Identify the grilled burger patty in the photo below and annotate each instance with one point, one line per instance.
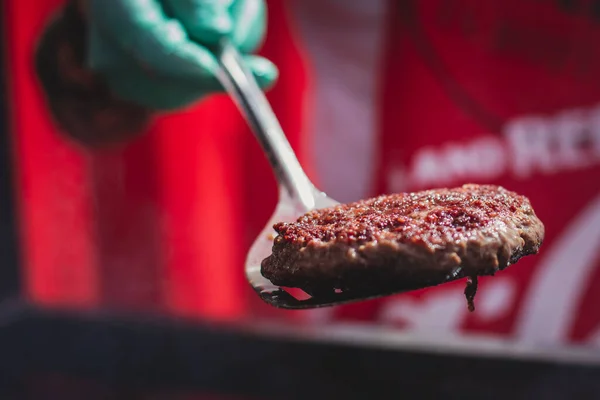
(405, 241)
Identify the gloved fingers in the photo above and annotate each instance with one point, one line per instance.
(249, 24)
(134, 82)
(206, 21)
(130, 81)
(143, 32)
(264, 71)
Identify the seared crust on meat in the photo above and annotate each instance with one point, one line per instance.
(404, 241)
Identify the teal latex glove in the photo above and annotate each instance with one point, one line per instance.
(156, 52)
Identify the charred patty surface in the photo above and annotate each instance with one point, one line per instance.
(405, 241)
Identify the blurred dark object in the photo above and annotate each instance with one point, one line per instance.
(81, 101)
(128, 358)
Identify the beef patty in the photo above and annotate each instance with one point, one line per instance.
(405, 241)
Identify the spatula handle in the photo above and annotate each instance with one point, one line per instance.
(253, 104)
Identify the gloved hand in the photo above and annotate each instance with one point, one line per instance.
(156, 52)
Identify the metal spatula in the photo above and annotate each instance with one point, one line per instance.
(297, 194)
